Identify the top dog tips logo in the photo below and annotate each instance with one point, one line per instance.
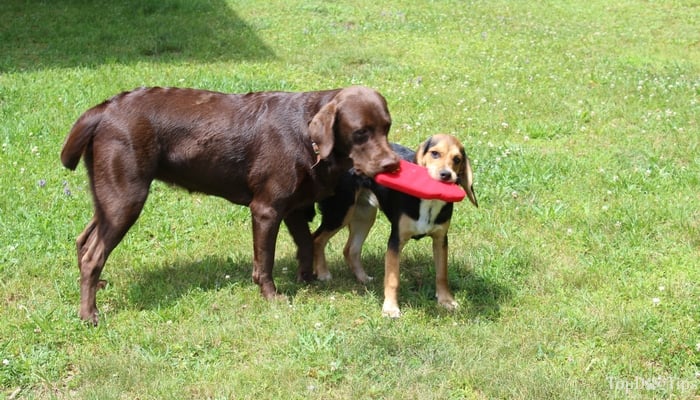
(666, 384)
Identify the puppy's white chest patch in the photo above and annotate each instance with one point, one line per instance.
(429, 210)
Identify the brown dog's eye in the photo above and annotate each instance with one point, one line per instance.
(435, 154)
(360, 136)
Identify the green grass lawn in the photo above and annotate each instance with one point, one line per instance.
(578, 276)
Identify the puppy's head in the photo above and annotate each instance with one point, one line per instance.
(446, 161)
(356, 124)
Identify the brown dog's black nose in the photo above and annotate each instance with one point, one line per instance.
(390, 164)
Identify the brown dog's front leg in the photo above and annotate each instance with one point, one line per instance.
(266, 225)
(298, 225)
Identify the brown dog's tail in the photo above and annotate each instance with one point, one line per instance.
(80, 135)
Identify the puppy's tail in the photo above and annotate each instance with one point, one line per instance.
(80, 135)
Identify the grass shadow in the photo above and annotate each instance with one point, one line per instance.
(68, 33)
(484, 294)
(480, 296)
(480, 293)
(162, 286)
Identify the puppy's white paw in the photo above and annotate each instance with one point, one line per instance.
(449, 304)
(391, 311)
(324, 276)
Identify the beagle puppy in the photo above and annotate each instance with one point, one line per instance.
(355, 203)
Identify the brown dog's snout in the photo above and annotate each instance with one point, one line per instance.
(390, 163)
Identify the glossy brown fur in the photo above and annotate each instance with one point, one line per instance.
(276, 152)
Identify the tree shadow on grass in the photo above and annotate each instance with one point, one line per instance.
(164, 285)
(67, 33)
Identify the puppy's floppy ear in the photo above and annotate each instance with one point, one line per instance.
(466, 179)
(422, 149)
(321, 129)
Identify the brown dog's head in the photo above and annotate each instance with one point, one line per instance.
(446, 160)
(356, 123)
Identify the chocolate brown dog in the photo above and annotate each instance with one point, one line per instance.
(276, 152)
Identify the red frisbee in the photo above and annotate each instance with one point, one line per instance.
(414, 180)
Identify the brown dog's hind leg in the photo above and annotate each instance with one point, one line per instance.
(88, 260)
(118, 197)
(94, 245)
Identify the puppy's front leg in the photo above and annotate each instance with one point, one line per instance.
(391, 278)
(363, 217)
(444, 296)
(298, 225)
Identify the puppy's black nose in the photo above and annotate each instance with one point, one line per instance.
(445, 175)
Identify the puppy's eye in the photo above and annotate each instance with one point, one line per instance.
(435, 154)
(456, 160)
(360, 136)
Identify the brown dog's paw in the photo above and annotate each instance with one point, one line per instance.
(89, 317)
(279, 298)
(268, 291)
(306, 276)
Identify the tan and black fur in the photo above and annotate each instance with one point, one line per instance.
(355, 205)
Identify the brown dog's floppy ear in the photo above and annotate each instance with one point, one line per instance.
(321, 129)
(467, 181)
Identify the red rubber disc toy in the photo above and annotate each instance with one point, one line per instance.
(414, 180)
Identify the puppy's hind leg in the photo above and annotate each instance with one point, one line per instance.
(443, 293)
(336, 211)
(359, 225)
(320, 266)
